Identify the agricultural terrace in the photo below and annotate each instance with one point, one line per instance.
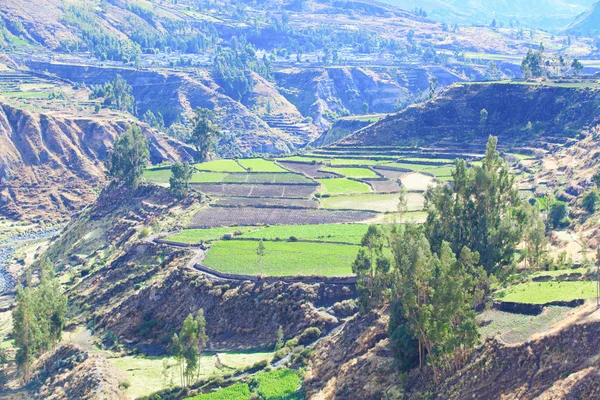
(546, 292)
(311, 211)
(281, 258)
(334, 233)
(271, 385)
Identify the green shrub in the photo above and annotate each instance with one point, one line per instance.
(309, 335)
(590, 201)
(144, 232)
(559, 214)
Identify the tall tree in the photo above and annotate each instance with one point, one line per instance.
(532, 65)
(480, 211)
(433, 304)
(129, 157)
(372, 269)
(188, 345)
(203, 136)
(535, 238)
(38, 319)
(577, 67)
(181, 173)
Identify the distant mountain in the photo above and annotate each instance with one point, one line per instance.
(587, 23)
(547, 14)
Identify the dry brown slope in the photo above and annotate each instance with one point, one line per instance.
(562, 364)
(52, 166)
(71, 373)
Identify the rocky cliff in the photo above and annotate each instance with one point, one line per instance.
(52, 166)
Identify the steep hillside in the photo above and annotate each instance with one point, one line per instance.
(176, 94)
(519, 114)
(588, 23)
(325, 93)
(356, 363)
(344, 127)
(142, 291)
(72, 373)
(545, 14)
(50, 166)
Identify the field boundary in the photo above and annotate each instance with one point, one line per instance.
(532, 309)
(256, 183)
(343, 280)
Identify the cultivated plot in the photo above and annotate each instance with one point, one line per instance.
(282, 258)
(260, 165)
(250, 216)
(342, 186)
(375, 202)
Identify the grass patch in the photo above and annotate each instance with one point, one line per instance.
(220, 166)
(373, 202)
(282, 258)
(349, 172)
(195, 236)
(336, 186)
(278, 384)
(260, 165)
(347, 233)
(546, 292)
(239, 391)
(157, 175)
(147, 374)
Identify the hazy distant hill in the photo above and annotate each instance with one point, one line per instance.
(537, 13)
(588, 22)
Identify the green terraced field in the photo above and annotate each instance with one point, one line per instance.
(334, 161)
(546, 292)
(349, 172)
(208, 177)
(157, 175)
(239, 391)
(278, 384)
(337, 186)
(373, 202)
(282, 258)
(444, 171)
(260, 165)
(220, 166)
(345, 233)
(195, 236)
(162, 175)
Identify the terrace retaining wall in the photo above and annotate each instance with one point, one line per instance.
(345, 281)
(532, 309)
